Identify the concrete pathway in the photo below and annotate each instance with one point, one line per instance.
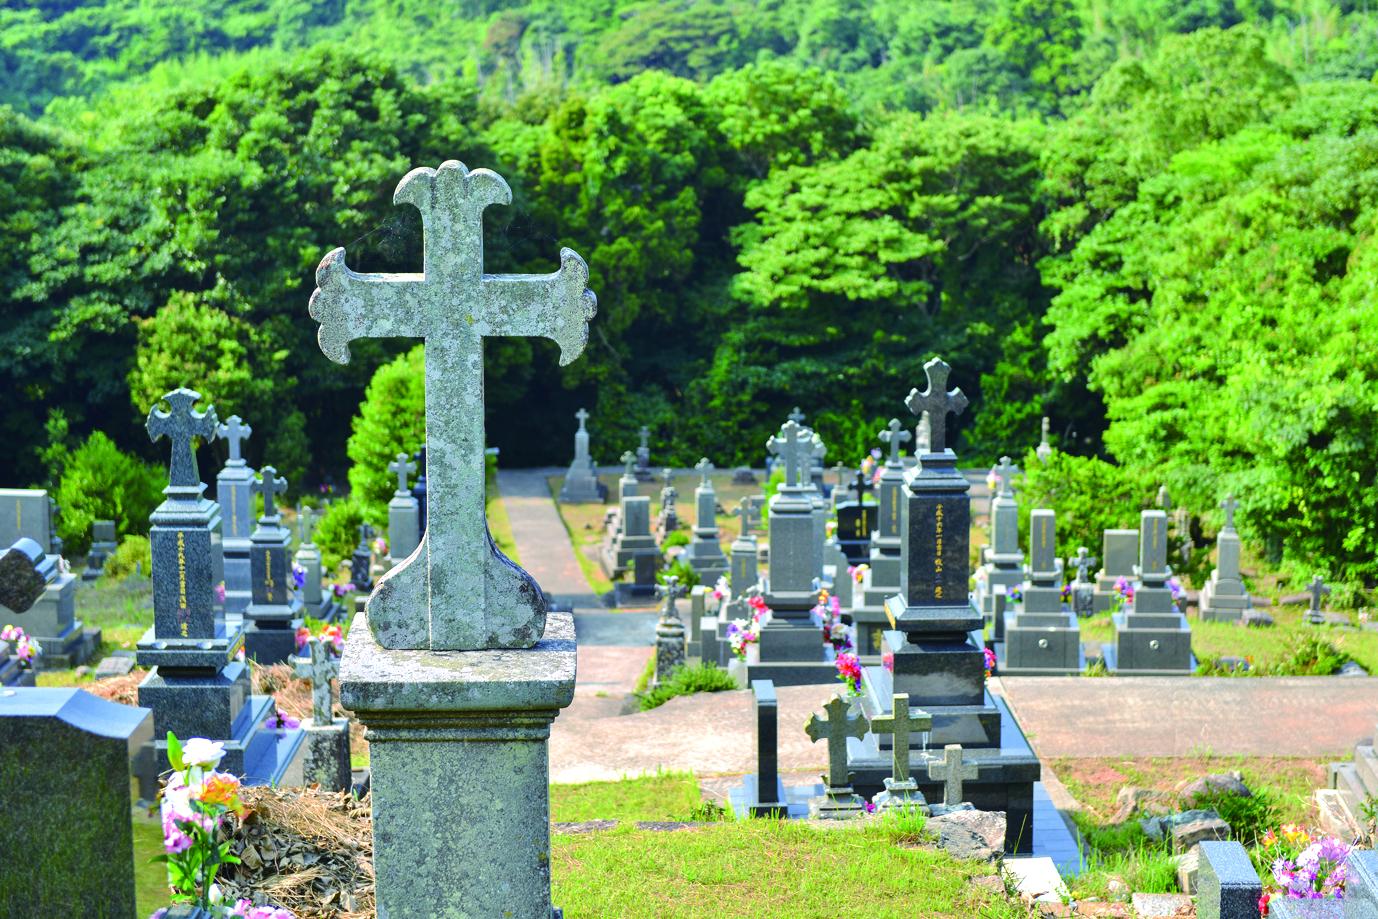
(541, 537)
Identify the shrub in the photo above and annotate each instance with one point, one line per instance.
(337, 533)
(1312, 655)
(1249, 817)
(686, 680)
(132, 551)
(688, 577)
(101, 483)
(677, 538)
(391, 420)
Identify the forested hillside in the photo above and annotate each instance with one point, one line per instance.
(1149, 220)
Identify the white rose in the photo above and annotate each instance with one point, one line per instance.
(202, 752)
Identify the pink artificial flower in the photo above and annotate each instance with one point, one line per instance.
(220, 592)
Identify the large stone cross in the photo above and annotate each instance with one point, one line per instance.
(459, 592)
(629, 458)
(901, 724)
(836, 728)
(895, 436)
(1317, 589)
(320, 666)
(235, 432)
(269, 486)
(937, 401)
(583, 416)
(182, 425)
(1005, 473)
(402, 467)
(790, 447)
(671, 590)
(1229, 505)
(952, 772)
(705, 468)
(1082, 563)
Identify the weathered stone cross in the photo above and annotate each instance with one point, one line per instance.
(937, 402)
(797, 416)
(790, 447)
(269, 486)
(402, 466)
(704, 467)
(460, 593)
(895, 435)
(182, 426)
(746, 510)
(901, 724)
(1317, 589)
(583, 416)
(320, 666)
(951, 772)
(1229, 505)
(1082, 563)
(671, 590)
(235, 432)
(306, 521)
(629, 458)
(1005, 473)
(836, 728)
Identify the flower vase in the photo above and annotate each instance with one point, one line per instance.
(753, 653)
(736, 668)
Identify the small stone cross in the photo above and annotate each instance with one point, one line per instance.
(895, 435)
(365, 534)
(583, 416)
(836, 728)
(629, 458)
(796, 416)
(1005, 473)
(704, 467)
(457, 592)
(842, 471)
(937, 402)
(671, 590)
(1229, 505)
(269, 485)
(1317, 589)
(862, 485)
(235, 432)
(789, 446)
(402, 466)
(182, 425)
(901, 724)
(1082, 563)
(952, 772)
(745, 510)
(306, 523)
(320, 666)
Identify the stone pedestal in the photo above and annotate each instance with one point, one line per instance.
(1152, 638)
(630, 538)
(325, 755)
(460, 771)
(1042, 639)
(404, 525)
(1223, 598)
(272, 618)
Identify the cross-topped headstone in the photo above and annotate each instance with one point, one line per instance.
(1005, 474)
(895, 436)
(901, 723)
(746, 511)
(843, 472)
(320, 666)
(629, 460)
(790, 447)
(952, 772)
(1229, 505)
(269, 486)
(645, 434)
(306, 523)
(234, 431)
(796, 416)
(182, 425)
(1083, 563)
(836, 728)
(938, 402)
(1317, 589)
(668, 475)
(704, 467)
(402, 467)
(670, 591)
(1044, 449)
(861, 483)
(365, 533)
(460, 593)
(583, 416)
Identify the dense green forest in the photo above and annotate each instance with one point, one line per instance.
(1150, 220)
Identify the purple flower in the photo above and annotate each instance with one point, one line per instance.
(280, 722)
(870, 807)
(220, 592)
(298, 576)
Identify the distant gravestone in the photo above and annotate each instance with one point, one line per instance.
(1152, 636)
(1002, 563)
(234, 493)
(704, 552)
(316, 603)
(1042, 638)
(670, 639)
(25, 512)
(1120, 551)
(643, 456)
(326, 758)
(361, 561)
(102, 544)
(1223, 598)
(275, 610)
(1044, 450)
(1083, 588)
(51, 619)
(404, 513)
(581, 484)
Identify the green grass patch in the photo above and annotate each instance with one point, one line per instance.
(150, 879)
(1290, 648)
(685, 680)
(663, 796)
(584, 524)
(648, 673)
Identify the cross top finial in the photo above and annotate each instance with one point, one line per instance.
(704, 467)
(629, 460)
(746, 511)
(797, 416)
(789, 446)
(901, 723)
(320, 666)
(938, 402)
(836, 728)
(1083, 562)
(306, 519)
(671, 590)
(583, 416)
(402, 466)
(269, 486)
(1229, 505)
(894, 436)
(1005, 473)
(1317, 589)
(182, 425)
(235, 432)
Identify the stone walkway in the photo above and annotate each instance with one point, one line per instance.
(542, 540)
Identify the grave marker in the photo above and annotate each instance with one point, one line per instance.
(326, 759)
(839, 801)
(581, 484)
(900, 788)
(952, 772)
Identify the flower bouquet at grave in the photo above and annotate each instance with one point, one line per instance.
(1303, 867)
(25, 649)
(1179, 593)
(280, 722)
(220, 593)
(849, 672)
(298, 576)
(720, 594)
(868, 464)
(1124, 593)
(859, 572)
(760, 612)
(741, 635)
(1014, 594)
(330, 635)
(380, 547)
(197, 805)
(989, 656)
(1066, 592)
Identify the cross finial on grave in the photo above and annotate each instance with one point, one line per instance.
(269, 486)
(796, 416)
(1229, 505)
(1317, 589)
(320, 666)
(458, 592)
(836, 728)
(668, 492)
(629, 460)
(704, 467)
(952, 772)
(671, 590)
(1083, 563)
(306, 525)
(790, 447)
(862, 484)
(645, 433)
(745, 511)
(365, 534)
(1005, 473)
(901, 723)
(402, 466)
(235, 432)
(583, 416)
(937, 401)
(182, 425)
(895, 436)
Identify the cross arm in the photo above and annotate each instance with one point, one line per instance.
(557, 306)
(349, 305)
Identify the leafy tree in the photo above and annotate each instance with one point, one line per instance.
(391, 420)
(1089, 494)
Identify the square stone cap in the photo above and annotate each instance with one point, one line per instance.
(81, 710)
(539, 678)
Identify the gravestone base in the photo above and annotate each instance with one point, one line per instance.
(11, 673)
(1227, 605)
(791, 802)
(270, 641)
(325, 756)
(792, 652)
(460, 770)
(1150, 644)
(583, 489)
(1040, 644)
(63, 652)
(998, 573)
(620, 553)
(837, 804)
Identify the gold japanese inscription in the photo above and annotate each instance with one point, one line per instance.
(268, 574)
(938, 552)
(183, 613)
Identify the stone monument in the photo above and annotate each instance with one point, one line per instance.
(361, 561)
(233, 491)
(1083, 588)
(404, 513)
(1042, 638)
(1002, 564)
(704, 552)
(581, 481)
(1152, 637)
(1120, 549)
(457, 667)
(901, 791)
(839, 800)
(316, 603)
(868, 608)
(51, 620)
(643, 456)
(667, 521)
(670, 640)
(102, 544)
(1224, 598)
(274, 612)
(326, 759)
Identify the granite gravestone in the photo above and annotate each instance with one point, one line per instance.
(1223, 598)
(457, 668)
(361, 561)
(1119, 552)
(234, 493)
(1152, 637)
(27, 513)
(581, 481)
(901, 791)
(25, 572)
(868, 607)
(630, 539)
(643, 456)
(855, 523)
(763, 794)
(64, 765)
(102, 544)
(404, 513)
(704, 552)
(51, 619)
(274, 612)
(839, 800)
(667, 521)
(1083, 588)
(627, 484)
(418, 488)
(937, 662)
(326, 757)
(1002, 563)
(1042, 638)
(316, 603)
(197, 686)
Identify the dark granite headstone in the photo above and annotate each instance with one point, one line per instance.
(273, 616)
(1227, 886)
(25, 572)
(855, 523)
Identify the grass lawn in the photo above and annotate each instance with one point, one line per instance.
(665, 796)
(498, 523)
(150, 879)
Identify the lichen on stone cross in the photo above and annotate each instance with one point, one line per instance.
(952, 772)
(836, 728)
(629, 460)
(458, 591)
(790, 447)
(320, 666)
(181, 425)
(1083, 563)
(938, 402)
(1229, 505)
(704, 467)
(269, 486)
(1317, 589)
(671, 590)
(583, 416)
(234, 432)
(1005, 473)
(901, 723)
(402, 467)
(895, 436)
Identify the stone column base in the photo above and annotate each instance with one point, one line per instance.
(326, 755)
